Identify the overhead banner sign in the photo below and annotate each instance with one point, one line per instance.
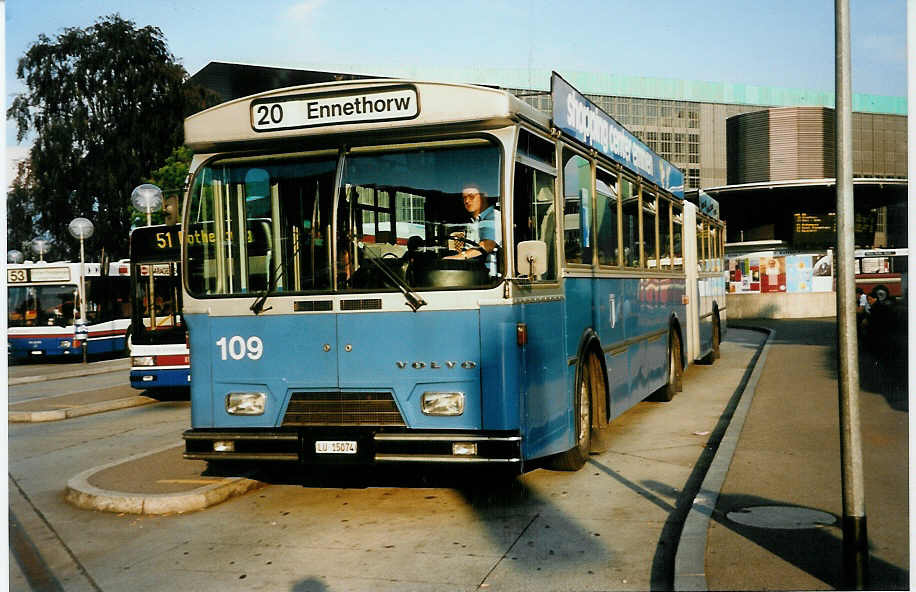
(580, 118)
(300, 111)
(708, 205)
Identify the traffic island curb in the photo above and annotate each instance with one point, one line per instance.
(83, 494)
(77, 410)
(690, 555)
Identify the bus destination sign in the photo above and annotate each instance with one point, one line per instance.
(302, 111)
(578, 117)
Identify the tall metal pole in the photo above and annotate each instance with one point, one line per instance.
(855, 534)
(85, 335)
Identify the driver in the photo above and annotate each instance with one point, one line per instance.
(485, 227)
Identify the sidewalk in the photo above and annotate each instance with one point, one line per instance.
(769, 529)
(24, 374)
(70, 405)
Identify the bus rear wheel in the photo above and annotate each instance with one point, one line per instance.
(575, 457)
(716, 339)
(675, 370)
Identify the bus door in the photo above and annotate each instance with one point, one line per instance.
(543, 309)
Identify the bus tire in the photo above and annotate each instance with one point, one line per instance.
(575, 457)
(716, 339)
(128, 339)
(674, 371)
(675, 365)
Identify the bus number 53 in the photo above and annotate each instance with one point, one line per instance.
(237, 347)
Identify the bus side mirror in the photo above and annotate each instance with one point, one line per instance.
(532, 258)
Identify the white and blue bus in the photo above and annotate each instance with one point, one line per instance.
(158, 337)
(43, 308)
(397, 271)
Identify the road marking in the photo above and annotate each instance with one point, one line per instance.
(189, 481)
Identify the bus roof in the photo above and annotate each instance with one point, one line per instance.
(60, 271)
(354, 106)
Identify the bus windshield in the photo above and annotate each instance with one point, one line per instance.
(162, 289)
(37, 306)
(398, 218)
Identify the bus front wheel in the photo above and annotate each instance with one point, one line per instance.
(575, 457)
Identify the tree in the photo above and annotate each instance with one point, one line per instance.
(21, 215)
(106, 104)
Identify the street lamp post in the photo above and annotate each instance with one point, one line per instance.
(82, 229)
(40, 246)
(148, 198)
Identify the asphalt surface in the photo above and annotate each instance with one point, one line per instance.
(766, 515)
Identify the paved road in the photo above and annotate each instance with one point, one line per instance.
(611, 526)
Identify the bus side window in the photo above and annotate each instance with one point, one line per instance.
(606, 217)
(630, 222)
(577, 182)
(534, 216)
(648, 229)
(664, 232)
(92, 304)
(677, 219)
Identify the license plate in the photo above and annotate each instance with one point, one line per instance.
(335, 447)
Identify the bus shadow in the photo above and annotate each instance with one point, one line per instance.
(512, 514)
(168, 394)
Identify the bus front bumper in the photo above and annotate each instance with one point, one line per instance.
(150, 378)
(353, 446)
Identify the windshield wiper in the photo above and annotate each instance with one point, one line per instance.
(257, 307)
(414, 301)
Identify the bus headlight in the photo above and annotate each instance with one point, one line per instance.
(142, 361)
(438, 403)
(65, 344)
(245, 403)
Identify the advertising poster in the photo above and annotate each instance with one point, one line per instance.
(822, 275)
(772, 274)
(799, 273)
(743, 275)
(735, 273)
(754, 274)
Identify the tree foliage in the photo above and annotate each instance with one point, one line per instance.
(21, 216)
(106, 105)
(170, 178)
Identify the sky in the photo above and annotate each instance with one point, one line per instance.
(778, 43)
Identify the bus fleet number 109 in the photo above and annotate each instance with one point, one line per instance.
(237, 347)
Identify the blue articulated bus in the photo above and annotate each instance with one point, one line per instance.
(399, 271)
(158, 336)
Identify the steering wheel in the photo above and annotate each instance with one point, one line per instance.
(466, 241)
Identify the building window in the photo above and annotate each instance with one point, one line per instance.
(652, 140)
(664, 147)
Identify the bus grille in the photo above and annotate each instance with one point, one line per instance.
(364, 304)
(335, 408)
